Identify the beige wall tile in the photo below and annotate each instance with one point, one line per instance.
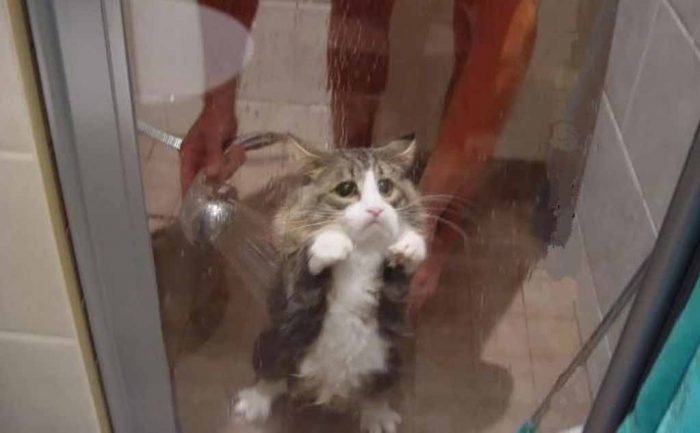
(310, 122)
(44, 386)
(289, 59)
(32, 295)
(155, 115)
(14, 116)
(161, 180)
(181, 114)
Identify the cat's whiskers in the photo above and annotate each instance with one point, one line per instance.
(309, 225)
(431, 209)
(435, 210)
(451, 225)
(437, 218)
(435, 207)
(449, 200)
(445, 197)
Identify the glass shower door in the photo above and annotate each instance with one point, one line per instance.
(538, 180)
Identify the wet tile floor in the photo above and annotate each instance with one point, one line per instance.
(484, 351)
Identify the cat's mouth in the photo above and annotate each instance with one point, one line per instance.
(373, 224)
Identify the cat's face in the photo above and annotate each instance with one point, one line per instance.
(363, 192)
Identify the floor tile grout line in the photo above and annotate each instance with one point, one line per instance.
(529, 343)
(584, 366)
(606, 344)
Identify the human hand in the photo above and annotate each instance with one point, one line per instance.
(203, 146)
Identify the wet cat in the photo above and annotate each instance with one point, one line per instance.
(349, 235)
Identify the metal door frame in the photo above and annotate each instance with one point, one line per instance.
(81, 55)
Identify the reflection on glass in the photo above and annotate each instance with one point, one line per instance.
(504, 296)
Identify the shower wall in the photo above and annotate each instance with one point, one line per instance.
(649, 110)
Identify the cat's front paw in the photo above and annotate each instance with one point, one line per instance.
(410, 250)
(327, 249)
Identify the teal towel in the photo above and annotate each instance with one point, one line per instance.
(669, 398)
(526, 428)
(682, 416)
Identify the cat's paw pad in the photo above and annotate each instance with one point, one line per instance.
(253, 405)
(379, 420)
(327, 249)
(410, 250)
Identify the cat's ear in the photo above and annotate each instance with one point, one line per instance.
(305, 152)
(311, 157)
(401, 151)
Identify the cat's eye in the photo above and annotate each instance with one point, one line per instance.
(346, 189)
(386, 186)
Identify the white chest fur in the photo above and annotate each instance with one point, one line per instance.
(349, 346)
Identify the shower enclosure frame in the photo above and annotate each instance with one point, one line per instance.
(80, 52)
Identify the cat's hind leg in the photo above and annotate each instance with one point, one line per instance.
(376, 416)
(254, 403)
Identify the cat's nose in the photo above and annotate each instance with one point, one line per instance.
(375, 211)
